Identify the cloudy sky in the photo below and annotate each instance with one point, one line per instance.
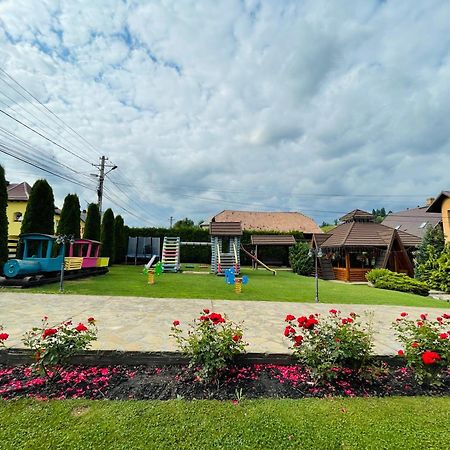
(312, 106)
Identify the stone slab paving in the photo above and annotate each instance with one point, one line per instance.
(143, 324)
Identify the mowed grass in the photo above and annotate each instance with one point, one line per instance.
(285, 286)
(381, 423)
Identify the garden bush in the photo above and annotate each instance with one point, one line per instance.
(385, 279)
(333, 341)
(299, 259)
(52, 347)
(3, 337)
(211, 344)
(426, 345)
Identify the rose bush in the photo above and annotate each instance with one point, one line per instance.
(52, 347)
(426, 345)
(211, 343)
(324, 343)
(3, 337)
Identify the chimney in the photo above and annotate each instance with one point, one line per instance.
(430, 201)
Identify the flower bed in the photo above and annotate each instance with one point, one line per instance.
(251, 381)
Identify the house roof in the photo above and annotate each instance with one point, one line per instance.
(436, 206)
(18, 191)
(413, 221)
(225, 229)
(357, 214)
(365, 234)
(269, 221)
(264, 239)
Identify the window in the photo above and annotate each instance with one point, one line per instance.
(423, 225)
(18, 217)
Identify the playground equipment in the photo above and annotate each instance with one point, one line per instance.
(231, 278)
(140, 248)
(171, 254)
(157, 270)
(225, 242)
(254, 258)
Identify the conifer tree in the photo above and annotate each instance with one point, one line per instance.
(40, 212)
(107, 235)
(3, 220)
(120, 244)
(69, 223)
(428, 252)
(92, 224)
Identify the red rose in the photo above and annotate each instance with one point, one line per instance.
(439, 319)
(333, 311)
(216, 318)
(289, 317)
(80, 327)
(301, 320)
(203, 318)
(414, 344)
(404, 314)
(441, 336)
(423, 316)
(344, 321)
(236, 338)
(91, 320)
(4, 336)
(446, 316)
(49, 332)
(349, 320)
(206, 311)
(176, 323)
(419, 323)
(309, 324)
(288, 331)
(298, 339)
(400, 353)
(429, 358)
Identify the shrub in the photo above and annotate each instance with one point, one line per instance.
(428, 252)
(426, 345)
(54, 346)
(333, 341)
(300, 261)
(211, 343)
(385, 279)
(3, 337)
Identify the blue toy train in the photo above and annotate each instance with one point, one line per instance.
(42, 260)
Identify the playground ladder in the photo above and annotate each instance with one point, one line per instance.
(171, 254)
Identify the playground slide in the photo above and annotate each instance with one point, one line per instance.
(150, 263)
(257, 260)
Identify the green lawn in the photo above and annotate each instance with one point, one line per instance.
(383, 423)
(285, 286)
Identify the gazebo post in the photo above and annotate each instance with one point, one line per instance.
(347, 266)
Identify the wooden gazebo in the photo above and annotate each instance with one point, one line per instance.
(359, 244)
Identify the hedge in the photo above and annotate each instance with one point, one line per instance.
(385, 279)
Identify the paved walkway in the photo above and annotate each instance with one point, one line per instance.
(143, 324)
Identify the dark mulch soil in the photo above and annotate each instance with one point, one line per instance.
(169, 382)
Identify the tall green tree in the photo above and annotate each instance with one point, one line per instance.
(428, 252)
(69, 222)
(40, 212)
(107, 235)
(92, 224)
(3, 220)
(186, 222)
(120, 244)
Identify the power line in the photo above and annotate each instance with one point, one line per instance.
(50, 111)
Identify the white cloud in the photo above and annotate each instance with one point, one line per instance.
(237, 104)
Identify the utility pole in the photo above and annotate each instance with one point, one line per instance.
(170, 221)
(101, 178)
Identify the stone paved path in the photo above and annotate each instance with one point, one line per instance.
(143, 324)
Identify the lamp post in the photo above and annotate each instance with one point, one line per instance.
(317, 253)
(62, 239)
